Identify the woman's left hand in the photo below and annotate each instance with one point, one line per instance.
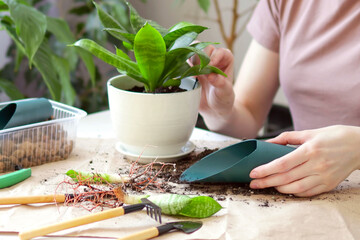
(325, 157)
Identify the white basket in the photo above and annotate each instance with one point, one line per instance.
(42, 142)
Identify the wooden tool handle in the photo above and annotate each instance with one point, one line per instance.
(146, 234)
(94, 217)
(32, 199)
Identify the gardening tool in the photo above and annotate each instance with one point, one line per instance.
(185, 226)
(58, 198)
(151, 209)
(10, 179)
(235, 162)
(25, 112)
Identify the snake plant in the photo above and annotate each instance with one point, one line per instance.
(160, 54)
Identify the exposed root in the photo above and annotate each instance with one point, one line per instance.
(90, 195)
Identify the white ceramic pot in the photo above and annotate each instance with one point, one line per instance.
(153, 125)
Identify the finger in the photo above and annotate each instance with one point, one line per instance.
(292, 138)
(313, 191)
(280, 179)
(300, 186)
(220, 57)
(281, 164)
(195, 60)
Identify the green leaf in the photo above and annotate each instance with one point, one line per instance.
(196, 71)
(62, 32)
(10, 89)
(106, 19)
(3, 6)
(30, 26)
(176, 72)
(201, 207)
(128, 46)
(18, 58)
(60, 29)
(121, 35)
(138, 22)
(204, 5)
(180, 29)
(172, 82)
(120, 11)
(120, 53)
(62, 68)
(195, 207)
(6, 22)
(89, 64)
(178, 56)
(80, 10)
(184, 41)
(170, 204)
(43, 62)
(123, 65)
(150, 51)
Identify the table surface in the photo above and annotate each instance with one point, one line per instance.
(90, 127)
(333, 215)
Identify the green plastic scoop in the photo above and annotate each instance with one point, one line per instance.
(25, 112)
(234, 163)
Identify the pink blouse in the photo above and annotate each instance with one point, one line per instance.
(318, 42)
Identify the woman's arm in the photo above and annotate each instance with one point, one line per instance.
(240, 111)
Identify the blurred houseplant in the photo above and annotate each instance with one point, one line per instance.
(39, 58)
(34, 35)
(161, 63)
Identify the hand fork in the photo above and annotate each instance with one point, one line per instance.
(152, 210)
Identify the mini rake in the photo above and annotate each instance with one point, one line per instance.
(152, 210)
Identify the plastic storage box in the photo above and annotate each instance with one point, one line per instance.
(43, 142)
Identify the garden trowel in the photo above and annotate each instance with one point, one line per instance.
(185, 226)
(235, 162)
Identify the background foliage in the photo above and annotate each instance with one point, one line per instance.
(41, 64)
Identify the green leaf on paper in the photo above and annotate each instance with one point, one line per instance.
(200, 207)
(194, 207)
(170, 204)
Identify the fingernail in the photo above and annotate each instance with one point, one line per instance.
(253, 174)
(254, 185)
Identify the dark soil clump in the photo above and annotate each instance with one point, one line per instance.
(171, 174)
(171, 89)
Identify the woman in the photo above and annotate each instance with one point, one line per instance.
(312, 49)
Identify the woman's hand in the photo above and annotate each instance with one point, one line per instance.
(325, 157)
(217, 91)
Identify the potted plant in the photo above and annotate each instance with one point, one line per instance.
(158, 121)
